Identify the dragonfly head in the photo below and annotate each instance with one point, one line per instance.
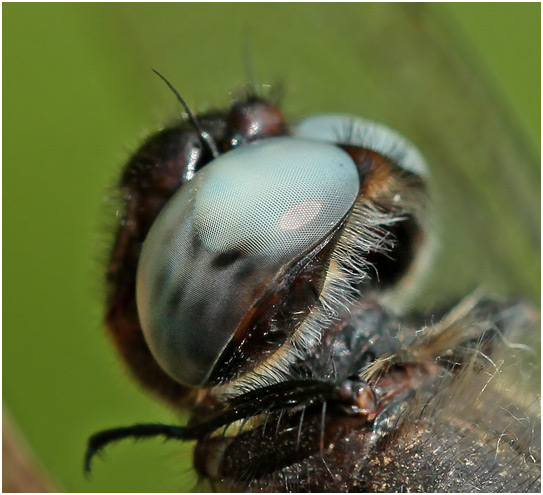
(243, 267)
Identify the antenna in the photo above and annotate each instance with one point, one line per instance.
(205, 138)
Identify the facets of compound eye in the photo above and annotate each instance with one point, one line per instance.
(226, 237)
(345, 129)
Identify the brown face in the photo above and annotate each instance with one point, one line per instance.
(261, 289)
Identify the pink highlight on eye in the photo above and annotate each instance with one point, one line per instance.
(299, 215)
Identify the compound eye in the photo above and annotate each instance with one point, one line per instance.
(226, 239)
(357, 131)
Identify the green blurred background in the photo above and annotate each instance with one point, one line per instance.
(461, 80)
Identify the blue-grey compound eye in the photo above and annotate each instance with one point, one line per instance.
(346, 129)
(226, 236)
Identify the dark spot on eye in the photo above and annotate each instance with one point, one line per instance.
(225, 259)
(200, 310)
(174, 300)
(196, 243)
(245, 270)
